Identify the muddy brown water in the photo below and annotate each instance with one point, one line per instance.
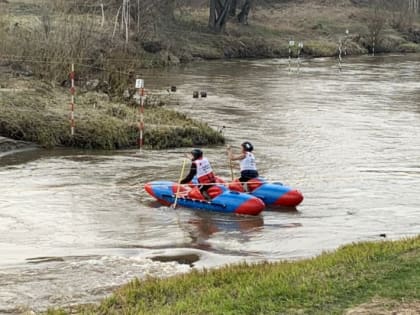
(76, 224)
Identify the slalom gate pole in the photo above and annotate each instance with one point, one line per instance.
(339, 54)
(300, 47)
(373, 44)
(140, 87)
(141, 139)
(291, 44)
(72, 92)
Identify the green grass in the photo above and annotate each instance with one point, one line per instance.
(409, 48)
(328, 284)
(320, 48)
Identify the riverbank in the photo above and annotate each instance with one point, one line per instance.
(37, 112)
(317, 28)
(9, 145)
(39, 43)
(364, 278)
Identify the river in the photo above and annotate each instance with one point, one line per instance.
(76, 224)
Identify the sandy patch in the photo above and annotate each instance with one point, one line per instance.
(386, 307)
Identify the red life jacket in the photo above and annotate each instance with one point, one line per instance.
(204, 171)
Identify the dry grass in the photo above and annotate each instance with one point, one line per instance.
(309, 20)
(48, 33)
(32, 110)
(320, 25)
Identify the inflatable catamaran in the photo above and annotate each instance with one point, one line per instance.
(222, 199)
(227, 197)
(249, 198)
(271, 193)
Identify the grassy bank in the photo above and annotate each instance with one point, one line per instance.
(35, 111)
(364, 278)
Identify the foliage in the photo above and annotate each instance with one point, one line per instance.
(409, 48)
(320, 48)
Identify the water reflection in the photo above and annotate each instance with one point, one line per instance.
(206, 225)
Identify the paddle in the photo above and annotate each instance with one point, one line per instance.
(230, 162)
(179, 184)
(231, 169)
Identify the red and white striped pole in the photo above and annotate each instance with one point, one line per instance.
(72, 92)
(140, 87)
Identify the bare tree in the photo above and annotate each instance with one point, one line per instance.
(139, 18)
(243, 15)
(403, 13)
(375, 24)
(232, 11)
(413, 6)
(220, 10)
(218, 15)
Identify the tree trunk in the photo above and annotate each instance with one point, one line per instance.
(243, 15)
(414, 6)
(218, 14)
(167, 8)
(212, 14)
(232, 11)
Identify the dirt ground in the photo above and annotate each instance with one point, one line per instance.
(386, 307)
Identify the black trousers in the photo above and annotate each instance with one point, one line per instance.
(247, 175)
(204, 187)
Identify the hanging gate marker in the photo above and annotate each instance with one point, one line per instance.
(291, 44)
(345, 42)
(373, 44)
(340, 49)
(140, 87)
(300, 48)
(292, 47)
(72, 92)
(339, 54)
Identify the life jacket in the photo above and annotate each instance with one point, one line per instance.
(248, 162)
(204, 171)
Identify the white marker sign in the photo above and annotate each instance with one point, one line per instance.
(139, 83)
